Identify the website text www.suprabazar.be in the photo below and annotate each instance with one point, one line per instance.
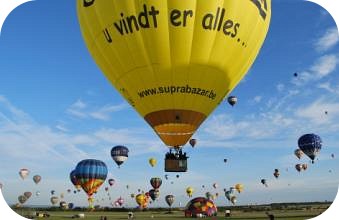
(177, 89)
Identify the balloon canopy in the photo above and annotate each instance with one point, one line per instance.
(119, 154)
(91, 175)
(74, 180)
(174, 61)
(200, 205)
(24, 173)
(310, 144)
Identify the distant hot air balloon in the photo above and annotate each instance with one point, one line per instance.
(231, 197)
(189, 191)
(298, 153)
(152, 161)
(225, 160)
(239, 187)
(36, 179)
(193, 142)
(54, 200)
(295, 74)
(332, 155)
(233, 190)
(154, 194)
(174, 85)
(298, 167)
(166, 177)
(28, 194)
(106, 189)
(232, 100)
(70, 205)
(74, 180)
(119, 154)
(132, 195)
(52, 192)
(233, 200)
(91, 174)
(177, 176)
(304, 166)
(111, 182)
(169, 200)
(120, 201)
(141, 200)
(156, 182)
(22, 199)
(310, 144)
(215, 185)
(276, 173)
(24, 173)
(264, 182)
(63, 205)
(208, 195)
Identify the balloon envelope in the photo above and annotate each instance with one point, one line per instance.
(232, 100)
(174, 68)
(189, 191)
(202, 206)
(36, 179)
(24, 173)
(169, 200)
(193, 142)
(156, 182)
(91, 175)
(74, 180)
(152, 161)
(119, 154)
(310, 144)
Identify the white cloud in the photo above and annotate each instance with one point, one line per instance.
(315, 112)
(324, 66)
(280, 87)
(104, 113)
(81, 110)
(257, 99)
(327, 86)
(321, 68)
(328, 40)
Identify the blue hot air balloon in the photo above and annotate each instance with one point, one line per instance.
(91, 174)
(310, 144)
(119, 154)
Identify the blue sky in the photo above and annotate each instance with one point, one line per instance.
(57, 108)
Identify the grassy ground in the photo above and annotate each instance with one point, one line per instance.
(238, 215)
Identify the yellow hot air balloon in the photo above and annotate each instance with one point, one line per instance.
(189, 191)
(152, 161)
(239, 187)
(142, 200)
(174, 61)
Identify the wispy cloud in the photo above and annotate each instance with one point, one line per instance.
(328, 40)
(321, 68)
(316, 111)
(80, 109)
(280, 87)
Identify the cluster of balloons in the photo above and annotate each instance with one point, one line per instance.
(300, 167)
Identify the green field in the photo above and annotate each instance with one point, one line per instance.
(239, 215)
